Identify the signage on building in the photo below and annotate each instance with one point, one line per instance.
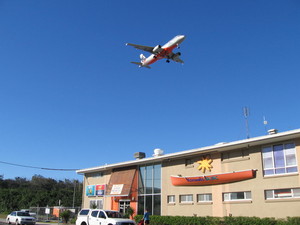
(205, 164)
(116, 189)
(95, 190)
(90, 190)
(100, 189)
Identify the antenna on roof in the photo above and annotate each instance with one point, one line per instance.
(246, 114)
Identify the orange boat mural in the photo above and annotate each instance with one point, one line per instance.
(213, 179)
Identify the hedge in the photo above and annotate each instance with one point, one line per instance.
(180, 220)
(192, 220)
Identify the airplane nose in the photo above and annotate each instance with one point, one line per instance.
(181, 37)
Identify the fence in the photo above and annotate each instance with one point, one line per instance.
(52, 213)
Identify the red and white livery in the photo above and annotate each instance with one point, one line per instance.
(160, 52)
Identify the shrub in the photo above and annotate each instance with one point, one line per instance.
(73, 221)
(249, 221)
(293, 220)
(66, 216)
(179, 220)
(240, 220)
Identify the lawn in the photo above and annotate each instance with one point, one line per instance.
(3, 216)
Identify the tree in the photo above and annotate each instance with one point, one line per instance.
(66, 216)
(22, 193)
(130, 211)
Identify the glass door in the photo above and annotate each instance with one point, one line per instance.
(123, 206)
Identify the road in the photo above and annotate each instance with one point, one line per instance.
(2, 222)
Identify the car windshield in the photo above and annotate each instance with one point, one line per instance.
(112, 214)
(23, 214)
(84, 212)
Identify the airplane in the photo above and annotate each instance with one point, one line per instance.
(159, 52)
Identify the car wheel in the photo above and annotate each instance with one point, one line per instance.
(17, 222)
(8, 221)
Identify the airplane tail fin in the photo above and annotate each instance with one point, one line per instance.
(141, 65)
(142, 57)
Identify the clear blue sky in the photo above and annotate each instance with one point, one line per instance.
(70, 98)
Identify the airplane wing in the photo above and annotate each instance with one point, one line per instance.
(176, 57)
(178, 60)
(142, 47)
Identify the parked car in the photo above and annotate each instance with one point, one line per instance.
(30, 213)
(20, 217)
(103, 217)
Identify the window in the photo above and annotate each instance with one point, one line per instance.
(96, 204)
(97, 174)
(204, 197)
(84, 212)
(282, 193)
(23, 214)
(237, 196)
(123, 206)
(94, 213)
(186, 198)
(236, 154)
(279, 159)
(171, 199)
(149, 189)
(102, 215)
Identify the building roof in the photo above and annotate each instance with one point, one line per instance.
(220, 147)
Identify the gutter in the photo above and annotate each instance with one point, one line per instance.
(262, 140)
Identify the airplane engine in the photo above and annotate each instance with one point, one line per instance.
(157, 49)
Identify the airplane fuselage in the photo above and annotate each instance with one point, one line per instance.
(167, 49)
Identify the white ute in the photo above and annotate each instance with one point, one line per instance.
(101, 217)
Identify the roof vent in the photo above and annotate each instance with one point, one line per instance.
(158, 152)
(273, 131)
(139, 155)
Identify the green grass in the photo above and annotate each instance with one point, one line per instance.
(3, 216)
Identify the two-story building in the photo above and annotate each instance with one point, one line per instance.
(252, 177)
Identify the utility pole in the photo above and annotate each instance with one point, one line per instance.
(74, 194)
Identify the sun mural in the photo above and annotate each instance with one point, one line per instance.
(205, 164)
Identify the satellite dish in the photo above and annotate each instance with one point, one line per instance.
(158, 152)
